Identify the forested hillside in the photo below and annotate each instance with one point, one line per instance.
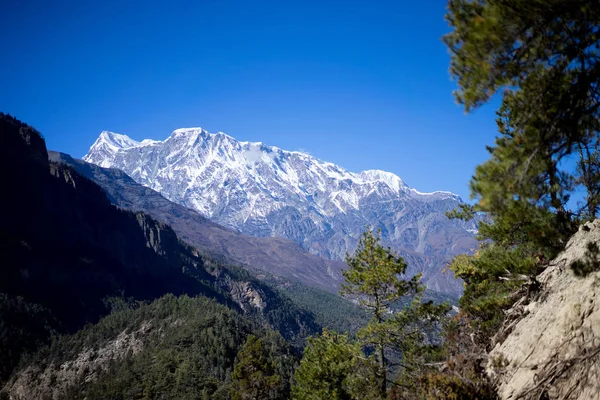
(174, 347)
(70, 258)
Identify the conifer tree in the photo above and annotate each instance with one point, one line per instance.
(334, 367)
(543, 59)
(254, 377)
(375, 279)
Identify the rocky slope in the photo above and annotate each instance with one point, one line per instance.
(172, 348)
(553, 351)
(266, 191)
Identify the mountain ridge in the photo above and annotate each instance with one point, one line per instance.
(122, 141)
(265, 191)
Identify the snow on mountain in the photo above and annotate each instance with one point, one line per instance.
(266, 191)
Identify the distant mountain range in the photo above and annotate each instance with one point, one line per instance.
(265, 191)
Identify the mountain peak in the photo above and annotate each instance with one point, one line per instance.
(117, 139)
(187, 131)
(106, 146)
(391, 179)
(203, 147)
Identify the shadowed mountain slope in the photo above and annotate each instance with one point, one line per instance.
(277, 256)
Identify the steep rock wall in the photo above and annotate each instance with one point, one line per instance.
(553, 352)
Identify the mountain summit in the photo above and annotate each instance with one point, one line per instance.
(266, 191)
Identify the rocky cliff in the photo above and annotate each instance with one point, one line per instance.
(553, 348)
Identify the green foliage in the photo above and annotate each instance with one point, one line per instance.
(334, 367)
(330, 310)
(373, 276)
(525, 193)
(543, 59)
(493, 278)
(404, 336)
(398, 343)
(254, 376)
(499, 43)
(544, 54)
(415, 335)
(23, 328)
(181, 347)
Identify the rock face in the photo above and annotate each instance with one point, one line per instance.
(266, 191)
(553, 352)
(53, 380)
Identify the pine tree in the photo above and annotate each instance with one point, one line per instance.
(334, 367)
(254, 376)
(375, 279)
(543, 59)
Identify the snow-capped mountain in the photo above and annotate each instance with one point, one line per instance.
(266, 191)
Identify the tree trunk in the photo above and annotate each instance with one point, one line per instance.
(382, 371)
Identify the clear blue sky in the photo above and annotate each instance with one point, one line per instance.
(363, 84)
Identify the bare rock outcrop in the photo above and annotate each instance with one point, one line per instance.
(553, 352)
(247, 295)
(51, 381)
